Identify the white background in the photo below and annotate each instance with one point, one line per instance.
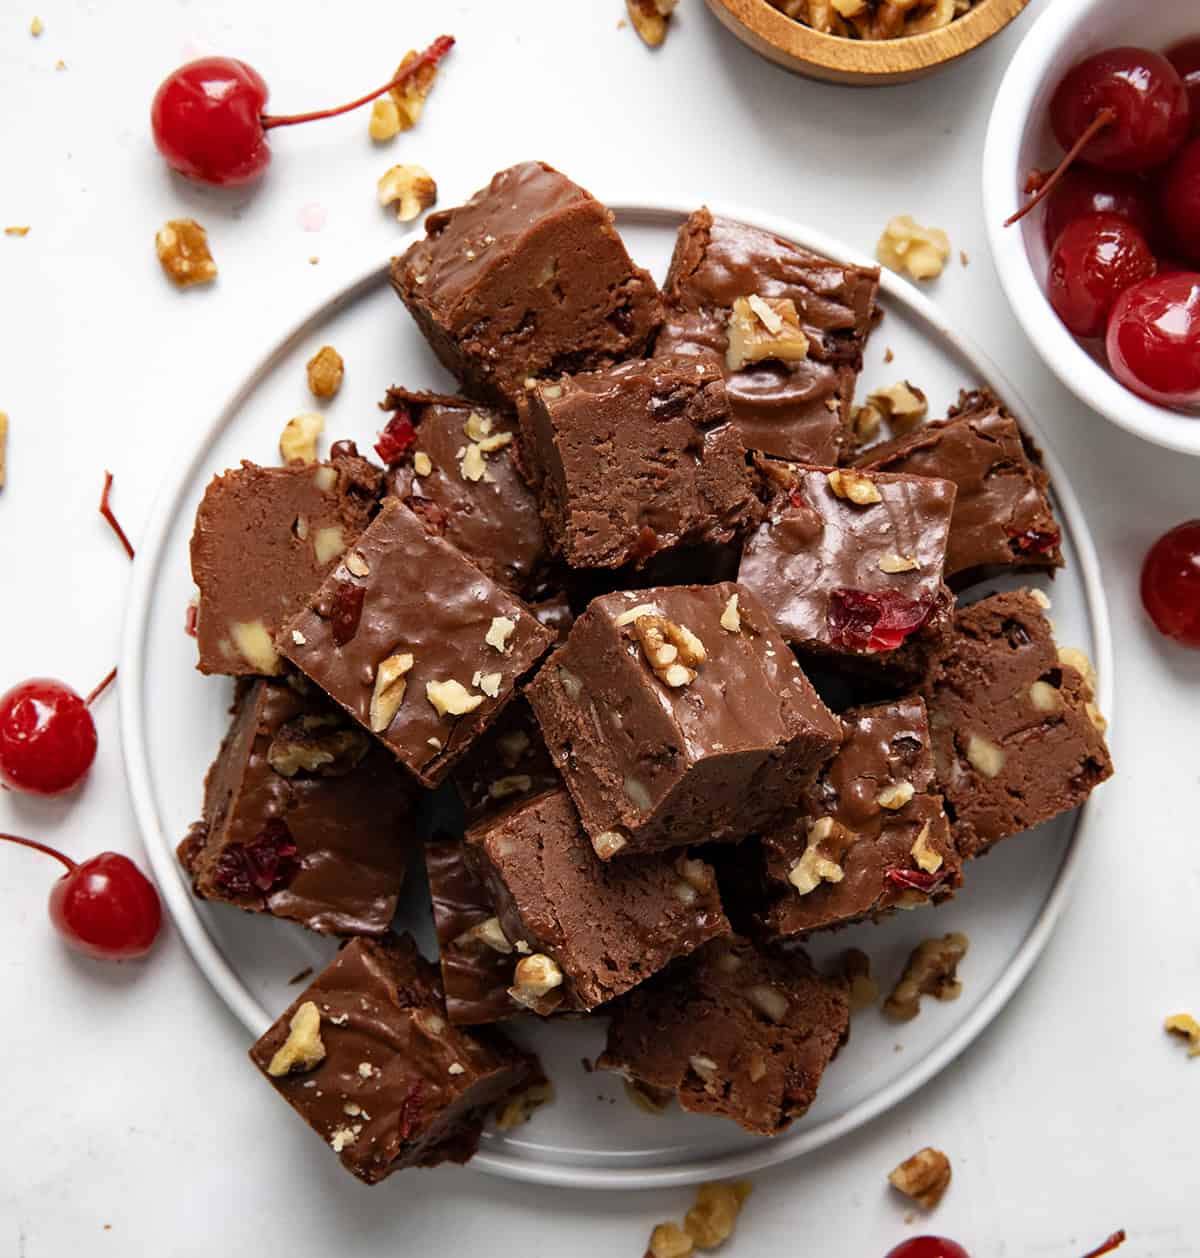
(132, 1123)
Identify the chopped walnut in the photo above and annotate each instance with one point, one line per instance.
(762, 329)
(855, 968)
(650, 19)
(903, 405)
(648, 1099)
(710, 1222)
(325, 372)
(672, 651)
(827, 843)
(907, 246)
(630, 614)
(16, 231)
(669, 1240)
(182, 246)
(1073, 657)
(357, 565)
(1183, 1024)
(329, 542)
(489, 683)
(891, 563)
(769, 1001)
(985, 756)
(317, 745)
(303, 1049)
(385, 120)
(1045, 697)
(36, 27)
(254, 645)
(298, 441)
(409, 96)
(519, 1109)
(895, 795)
(608, 844)
(856, 487)
(867, 422)
(422, 463)
(411, 188)
(499, 631)
(731, 619)
(477, 426)
(932, 970)
(451, 698)
(924, 1177)
(923, 852)
(535, 976)
(390, 685)
(509, 785)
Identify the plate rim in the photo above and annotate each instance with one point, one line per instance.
(217, 969)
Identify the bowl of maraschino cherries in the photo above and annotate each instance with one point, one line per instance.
(1092, 197)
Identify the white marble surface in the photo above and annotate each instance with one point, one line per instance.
(132, 1124)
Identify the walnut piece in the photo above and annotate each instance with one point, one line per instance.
(1045, 697)
(608, 844)
(422, 463)
(1183, 1024)
(411, 188)
(932, 970)
(356, 564)
(630, 614)
(866, 422)
(254, 645)
(298, 441)
(827, 843)
(499, 631)
(451, 698)
(907, 246)
(710, 1222)
(409, 96)
(984, 756)
(926, 857)
(895, 795)
(673, 651)
(891, 563)
(903, 405)
(317, 745)
(649, 1099)
(518, 1110)
(390, 685)
(325, 371)
(762, 329)
(182, 246)
(491, 933)
(36, 27)
(650, 19)
(856, 487)
(731, 618)
(303, 1048)
(329, 542)
(385, 120)
(769, 1001)
(535, 976)
(669, 1240)
(924, 1177)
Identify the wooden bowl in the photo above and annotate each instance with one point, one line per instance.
(859, 62)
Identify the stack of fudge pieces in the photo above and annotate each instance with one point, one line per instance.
(588, 598)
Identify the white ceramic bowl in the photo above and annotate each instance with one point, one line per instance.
(1019, 139)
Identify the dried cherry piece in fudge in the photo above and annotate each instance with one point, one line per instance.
(871, 834)
(529, 278)
(366, 1057)
(788, 327)
(1017, 736)
(849, 563)
(434, 652)
(476, 973)
(265, 538)
(732, 1031)
(305, 816)
(460, 475)
(679, 715)
(509, 762)
(1002, 514)
(636, 459)
(582, 931)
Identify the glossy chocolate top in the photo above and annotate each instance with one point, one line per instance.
(484, 506)
(814, 545)
(800, 409)
(1002, 515)
(417, 596)
(398, 1085)
(305, 816)
(265, 538)
(608, 926)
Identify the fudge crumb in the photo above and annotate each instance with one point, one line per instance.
(924, 1177)
(932, 970)
(303, 1049)
(182, 247)
(889, 355)
(36, 27)
(300, 976)
(518, 1110)
(325, 371)
(3, 447)
(964, 257)
(17, 231)
(651, 19)
(1185, 1026)
(907, 246)
(902, 404)
(586, 1063)
(710, 1222)
(410, 188)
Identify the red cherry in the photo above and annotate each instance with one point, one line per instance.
(208, 121)
(1084, 191)
(397, 438)
(47, 737)
(104, 907)
(1171, 584)
(1154, 339)
(859, 620)
(928, 1247)
(1185, 57)
(1179, 194)
(1095, 260)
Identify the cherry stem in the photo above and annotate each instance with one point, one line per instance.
(430, 57)
(49, 851)
(107, 512)
(1114, 1241)
(1105, 118)
(109, 678)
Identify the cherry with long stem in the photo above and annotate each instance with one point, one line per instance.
(1106, 1247)
(1105, 118)
(107, 512)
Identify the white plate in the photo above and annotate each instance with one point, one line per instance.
(172, 719)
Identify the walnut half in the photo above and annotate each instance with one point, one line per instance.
(932, 970)
(924, 1177)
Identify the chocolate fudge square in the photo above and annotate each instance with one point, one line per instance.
(732, 1031)
(508, 762)
(529, 278)
(787, 325)
(871, 834)
(366, 1057)
(414, 642)
(1002, 514)
(636, 459)
(1017, 736)
(265, 538)
(306, 817)
(461, 476)
(849, 563)
(679, 715)
(581, 931)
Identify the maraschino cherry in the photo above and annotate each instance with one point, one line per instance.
(1185, 57)
(1084, 191)
(1094, 261)
(104, 907)
(928, 1247)
(208, 118)
(1171, 584)
(1153, 339)
(1179, 197)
